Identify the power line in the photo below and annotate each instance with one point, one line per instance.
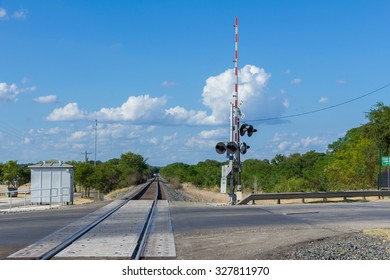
(322, 109)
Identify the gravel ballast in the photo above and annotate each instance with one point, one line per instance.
(354, 246)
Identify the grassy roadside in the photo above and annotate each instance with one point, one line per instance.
(382, 232)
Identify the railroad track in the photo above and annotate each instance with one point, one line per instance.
(136, 227)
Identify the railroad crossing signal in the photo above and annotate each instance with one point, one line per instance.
(249, 129)
(231, 148)
(243, 148)
(220, 148)
(234, 147)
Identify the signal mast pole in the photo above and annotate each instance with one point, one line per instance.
(237, 111)
(235, 124)
(233, 147)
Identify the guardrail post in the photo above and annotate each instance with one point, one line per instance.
(278, 201)
(10, 200)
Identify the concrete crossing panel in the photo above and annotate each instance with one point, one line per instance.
(42, 246)
(114, 238)
(160, 242)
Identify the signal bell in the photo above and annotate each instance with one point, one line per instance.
(220, 148)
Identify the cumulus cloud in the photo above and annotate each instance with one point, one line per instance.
(46, 99)
(141, 107)
(27, 140)
(323, 100)
(180, 115)
(70, 111)
(256, 103)
(296, 81)
(9, 92)
(284, 145)
(19, 14)
(287, 143)
(153, 141)
(3, 13)
(312, 142)
(207, 138)
(216, 98)
(168, 84)
(78, 135)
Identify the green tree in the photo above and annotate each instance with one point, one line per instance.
(83, 176)
(133, 168)
(12, 174)
(105, 177)
(352, 162)
(378, 127)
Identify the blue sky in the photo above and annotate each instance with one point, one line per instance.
(158, 75)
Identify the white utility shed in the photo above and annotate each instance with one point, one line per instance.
(52, 183)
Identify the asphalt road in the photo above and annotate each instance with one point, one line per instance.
(253, 231)
(18, 230)
(205, 231)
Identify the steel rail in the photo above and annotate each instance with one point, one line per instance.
(50, 254)
(146, 229)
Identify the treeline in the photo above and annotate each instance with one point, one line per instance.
(13, 174)
(129, 169)
(351, 162)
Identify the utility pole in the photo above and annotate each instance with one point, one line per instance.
(86, 156)
(94, 163)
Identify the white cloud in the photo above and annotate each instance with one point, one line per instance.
(169, 138)
(143, 107)
(287, 144)
(207, 138)
(42, 131)
(169, 141)
(46, 99)
(78, 135)
(71, 111)
(323, 100)
(168, 84)
(286, 103)
(27, 140)
(284, 145)
(3, 13)
(213, 134)
(153, 141)
(278, 137)
(312, 142)
(20, 14)
(296, 81)
(341, 82)
(179, 115)
(9, 92)
(216, 97)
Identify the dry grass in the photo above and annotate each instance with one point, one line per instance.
(383, 232)
(117, 194)
(205, 195)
